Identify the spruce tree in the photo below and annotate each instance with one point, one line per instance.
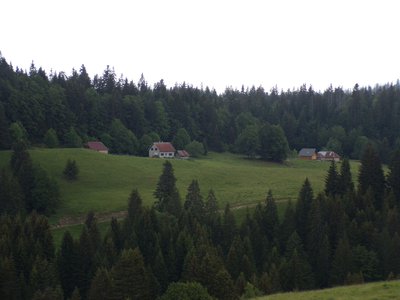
(345, 179)
(394, 175)
(342, 262)
(100, 287)
(68, 264)
(303, 207)
(71, 170)
(332, 181)
(371, 176)
(168, 199)
(194, 201)
(130, 277)
(271, 221)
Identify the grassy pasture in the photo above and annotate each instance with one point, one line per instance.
(105, 181)
(371, 291)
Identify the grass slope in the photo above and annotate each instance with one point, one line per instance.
(370, 291)
(105, 181)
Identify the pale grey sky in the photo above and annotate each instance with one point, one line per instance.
(282, 43)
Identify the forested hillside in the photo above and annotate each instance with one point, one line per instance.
(52, 109)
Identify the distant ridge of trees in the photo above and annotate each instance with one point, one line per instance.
(55, 109)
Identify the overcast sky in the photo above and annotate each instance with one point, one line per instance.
(281, 43)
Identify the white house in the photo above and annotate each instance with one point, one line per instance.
(162, 150)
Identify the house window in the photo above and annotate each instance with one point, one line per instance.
(162, 154)
(170, 154)
(152, 149)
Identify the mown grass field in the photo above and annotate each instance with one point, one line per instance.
(105, 181)
(371, 291)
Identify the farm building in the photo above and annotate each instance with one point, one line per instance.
(162, 150)
(308, 154)
(97, 146)
(182, 154)
(328, 155)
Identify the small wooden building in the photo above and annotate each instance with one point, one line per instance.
(97, 146)
(182, 154)
(308, 154)
(162, 150)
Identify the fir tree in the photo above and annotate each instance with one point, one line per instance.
(371, 176)
(166, 192)
(130, 277)
(345, 179)
(303, 207)
(394, 175)
(68, 264)
(332, 181)
(194, 201)
(71, 170)
(271, 221)
(100, 288)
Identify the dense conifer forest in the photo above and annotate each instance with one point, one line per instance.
(184, 247)
(56, 109)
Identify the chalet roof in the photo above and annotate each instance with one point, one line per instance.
(328, 154)
(98, 146)
(307, 152)
(183, 153)
(164, 147)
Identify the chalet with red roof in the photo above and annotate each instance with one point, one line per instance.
(328, 155)
(97, 146)
(162, 150)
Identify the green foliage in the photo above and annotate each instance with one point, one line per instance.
(248, 141)
(394, 175)
(371, 175)
(332, 181)
(181, 139)
(18, 133)
(124, 141)
(129, 275)
(11, 198)
(195, 149)
(168, 199)
(186, 291)
(273, 143)
(194, 201)
(51, 139)
(72, 139)
(71, 170)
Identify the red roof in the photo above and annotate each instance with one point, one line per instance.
(98, 146)
(165, 147)
(183, 153)
(328, 154)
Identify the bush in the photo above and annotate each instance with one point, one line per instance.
(71, 170)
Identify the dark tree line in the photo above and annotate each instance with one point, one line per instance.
(56, 109)
(188, 249)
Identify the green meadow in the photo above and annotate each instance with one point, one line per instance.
(105, 181)
(371, 291)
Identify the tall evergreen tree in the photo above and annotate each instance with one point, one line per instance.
(271, 221)
(371, 175)
(194, 200)
(303, 207)
(100, 288)
(68, 264)
(166, 192)
(394, 175)
(130, 277)
(332, 183)
(345, 179)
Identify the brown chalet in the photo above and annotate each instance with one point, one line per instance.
(308, 154)
(97, 146)
(162, 150)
